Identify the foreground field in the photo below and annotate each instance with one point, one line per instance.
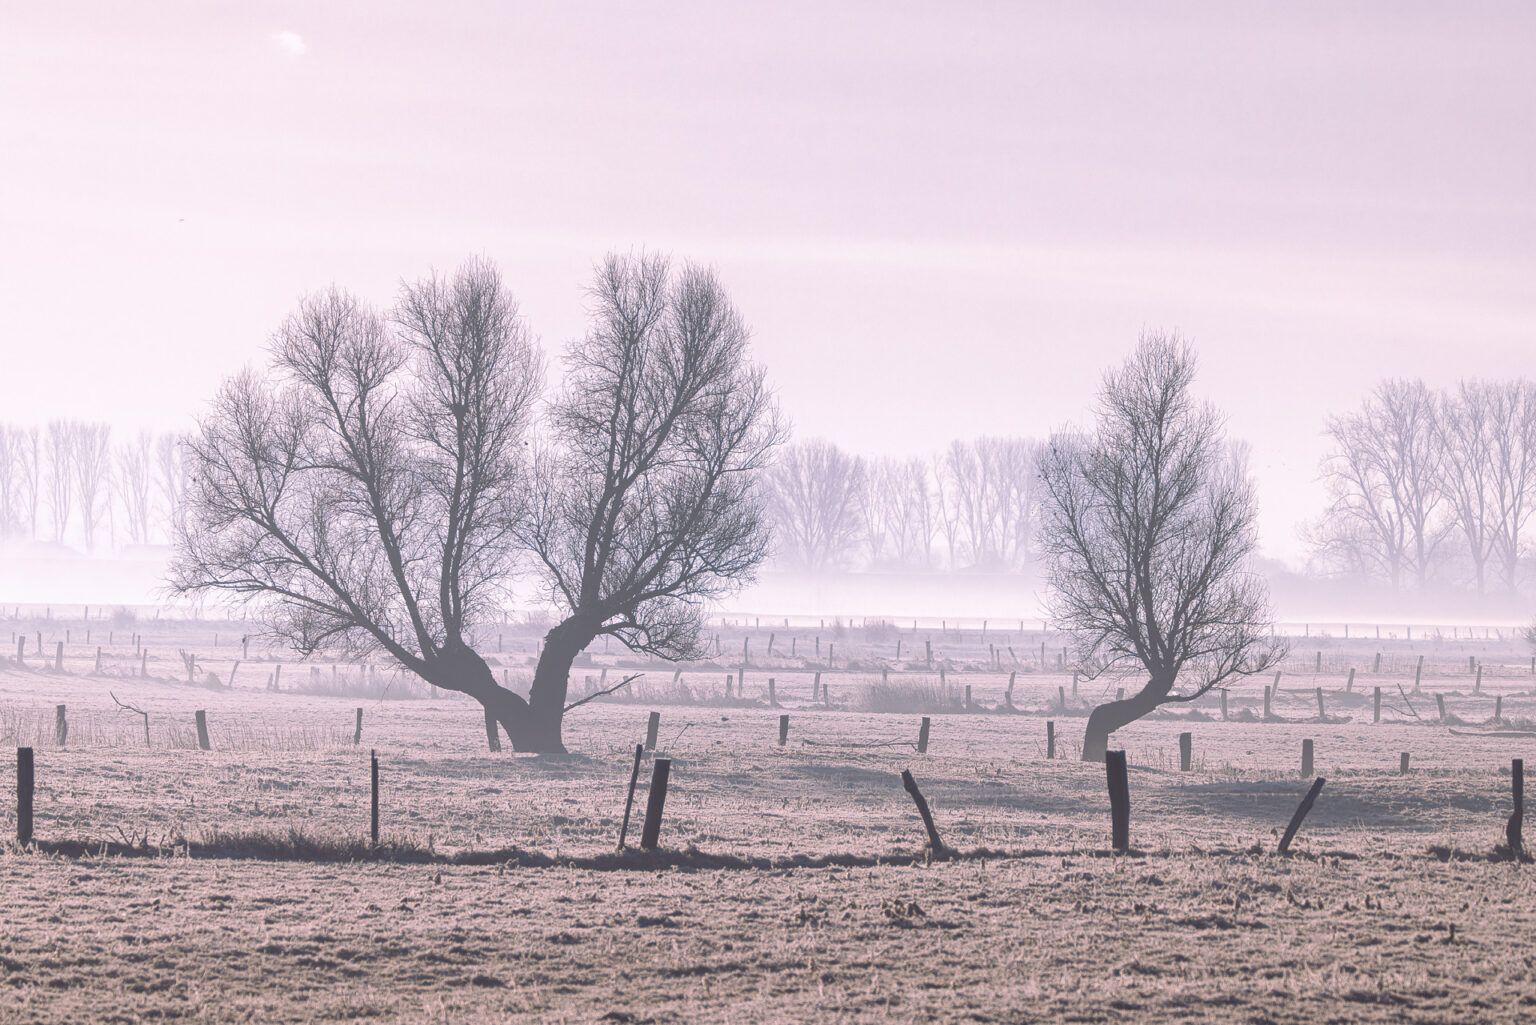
(792, 884)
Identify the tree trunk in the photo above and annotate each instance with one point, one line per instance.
(551, 680)
(1113, 715)
(465, 671)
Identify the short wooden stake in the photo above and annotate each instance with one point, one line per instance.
(1306, 757)
(1376, 703)
(58, 658)
(1402, 764)
(1267, 696)
(1349, 685)
(1418, 674)
(24, 782)
(202, 729)
(652, 724)
(1498, 707)
(1061, 698)
(1223, 704)
(1119, 800)
(60, 726)
(661, 770)
(1186, 750)
(97, 670)
(1517, 785)
(1477, 685)
(967, 697)
(357, 729)
(816, 688)
(1440, 704)
(1377, 667)
(1322, 714)
(629, 802)
(1050, 739)
(373, 819)
(910, 785)
(1301, 813)
(21, 651)
(922, 736)
(1008, 694)
(773, 697)
(783, 730)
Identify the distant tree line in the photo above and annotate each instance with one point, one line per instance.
(972, 507)
(1431, 489)
(70, 482)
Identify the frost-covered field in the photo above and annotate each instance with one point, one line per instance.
(792, 884)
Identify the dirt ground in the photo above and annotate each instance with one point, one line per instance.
(792, 884)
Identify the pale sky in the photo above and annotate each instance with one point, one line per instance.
(941, 220)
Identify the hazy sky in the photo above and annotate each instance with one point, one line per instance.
(942, 220)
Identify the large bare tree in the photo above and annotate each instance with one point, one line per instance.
(816, 496)
(131, 486)
(93, 476)
(1148, 532)
(364, 492)
(648, 501)
(59, 445)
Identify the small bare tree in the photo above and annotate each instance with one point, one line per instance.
(815, 494)
(1148, 533)
(647, 498)
(364, 493)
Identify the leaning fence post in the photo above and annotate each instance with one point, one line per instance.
(629, 802)
(1119, 800)
(202, 729)
(60, 726)
(783, 730)
(910, 785)
(23, 796)
(1517, 784)
(357, 730)
(1301, 813)
(1186, 750)
(1349, 684)
(373, 820)
(652, 724)
(661, 769)
(922, 736)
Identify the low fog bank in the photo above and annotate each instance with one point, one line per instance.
(39, 574)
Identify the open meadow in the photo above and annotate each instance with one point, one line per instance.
(791, 882)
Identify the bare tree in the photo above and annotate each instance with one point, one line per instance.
(60, 448)
(93, 476)
(1511, 412)
(899, 504)
(170, 475)
(815, 496)
(990, 484)
(132, 485)
(27, 448)
(1149, 537)
(648, 501)
(363, 495)
(10, 480)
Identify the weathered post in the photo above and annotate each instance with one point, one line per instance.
(773, 696)
(928, 648)
(97, 670)
(1186, 750)
(1477, 685)
(910, 785)
(1349, 684)
(1440, 705)
(1376, 707)
(373, 819)
(202, 729)
(60, 726)
(1223, 704)
(922, 736)
(783, 730)
(1301, 813)
(24, 782)
(1319, 667)
(1267, 695)
(1377, 667)
(1050, 739)
(1008, 694)
(1498, 707)
(661, 770)
(21, 650)
(1402, 764)
(967, 697)
(357, 729)
(652, 724)
(1119, 800)
(629, 802)
(1322, 714)
(1061, 698)
(1418, 674)
(1306, 757)
(144, 663)
(58, 658)
(1276, 687)
(1517, 785)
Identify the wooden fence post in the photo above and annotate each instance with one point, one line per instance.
(1186, 750)
(1050, 739)
(652, 724)
(373, 818)
(58, 657)
(202, 729)
(922, 736)
(1498, 707)
(21, 651)
(1267, 695)
(60, 726)
(773, 696)
(1301, 813)
(1319, 667)
(1402, 764)
(1377, 668)
(1008, 694)
(1223, 704)
(1306, 757)
(910, 785)
(1477, 685)
(24, 786)
(629, 802)
(98, 660)
(661, 770)
(783, 730)
(1376, 712)
(967, 697)
(1322, 715)
(1119, 800)
(1440, 705)
(1517, 784)
(1349, 685)
(357, 729)
(1418, 674)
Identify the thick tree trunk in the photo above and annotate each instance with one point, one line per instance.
(465, 671)
(551, 680)
(1113, 715)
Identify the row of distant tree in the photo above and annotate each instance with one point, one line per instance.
(974, 506)
(71, 481)
(1432, 489)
